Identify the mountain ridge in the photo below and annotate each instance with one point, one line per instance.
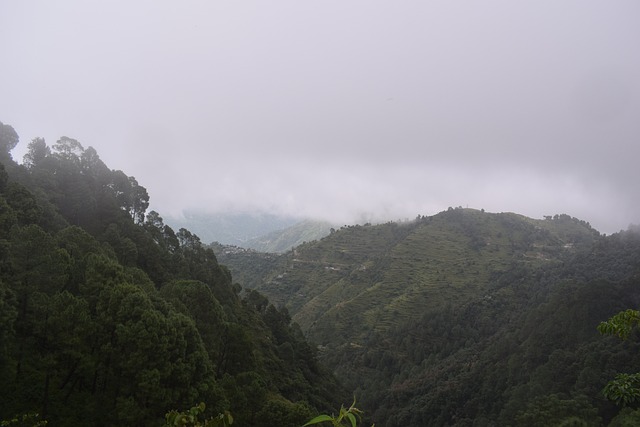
(453, 236)
(423, 318)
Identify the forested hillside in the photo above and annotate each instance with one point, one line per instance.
(465, 317)
(109, 317)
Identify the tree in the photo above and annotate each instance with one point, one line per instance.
(4, 178)
(8, 139)
(624, 389)
(92, 165)
(139, 201)
(626, 418)
(188, 240)
(37, 265)
(282, 413)
(195, 299)
(621, 324)
(148, 356)
(8, 315)
(235, 355)
(86, 337)
(37, 151)
(170, 238)
(154, 222)
(556, 410)
(191, 418)
(8, 217)
(23, 203)
(131, 197)
(68, 149)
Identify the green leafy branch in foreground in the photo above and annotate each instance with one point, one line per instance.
(346, 417)
(624, 389)
(190, 418)
(621, 324)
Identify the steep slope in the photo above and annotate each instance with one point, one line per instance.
(109, 317)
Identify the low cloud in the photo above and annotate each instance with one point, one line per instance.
(347, 112)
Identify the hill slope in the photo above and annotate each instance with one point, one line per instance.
(374, 277)
(443, 320)
(109, 317)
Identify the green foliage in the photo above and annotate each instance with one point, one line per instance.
(8, 139)
(346, 417)
(37, 152)
(108, 317)
(461, 318)
(627, 417)
(621, 324)
(282, 413)
(24, 204)
(24, 420)
(554, 410)
(192, 418)
(624, 389)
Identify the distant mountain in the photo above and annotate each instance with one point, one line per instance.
(461, 318)
(295, 235)
(236, 228)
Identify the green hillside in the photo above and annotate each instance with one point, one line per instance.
(465, 317)
(110, 317)
(374, 277)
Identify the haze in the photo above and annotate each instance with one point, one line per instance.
(340, 110)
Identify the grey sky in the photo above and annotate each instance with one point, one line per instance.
(341, 110)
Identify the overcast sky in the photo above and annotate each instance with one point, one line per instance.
(338, 109)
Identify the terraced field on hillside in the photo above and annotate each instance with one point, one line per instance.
(363, 279)
(454, 315)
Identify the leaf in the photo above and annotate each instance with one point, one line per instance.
(228, 417)
(319, 419)
(352, 418)
(621, 324)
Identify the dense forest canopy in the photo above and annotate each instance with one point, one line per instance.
(110, 317)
